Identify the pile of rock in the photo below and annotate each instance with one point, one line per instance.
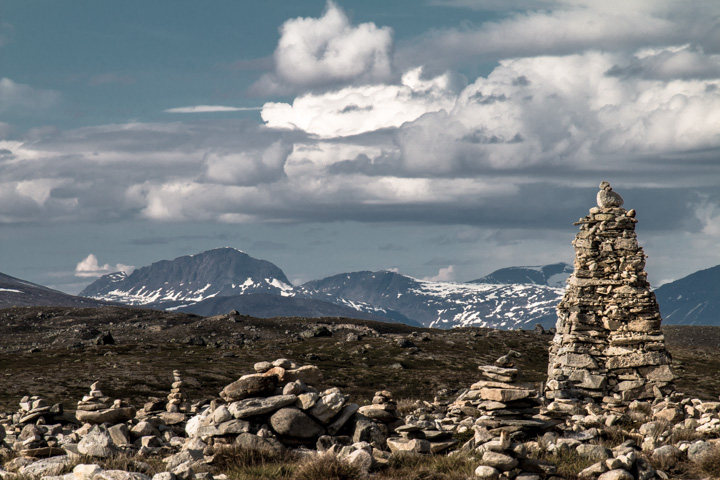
(37, 410)
(501, 403)
(177, 401)
(608, 345)
(95, 408)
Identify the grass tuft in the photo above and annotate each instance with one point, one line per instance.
(707, 465)
(409, 466)
(326, 467)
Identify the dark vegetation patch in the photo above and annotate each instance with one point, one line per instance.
(53, 352)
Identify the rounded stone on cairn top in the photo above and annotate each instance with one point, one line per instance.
(606, 198)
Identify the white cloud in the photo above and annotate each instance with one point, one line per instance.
(89, 267)
(17, 95)
(249, 167)
(355, 110)
(209, 109)
(563, 28)
(445, 274)
(317, 52)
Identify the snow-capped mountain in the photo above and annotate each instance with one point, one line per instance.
(190, 279)
(224, 279)
(20, 293)
(692, 300)
(554, 275)
(444, 304)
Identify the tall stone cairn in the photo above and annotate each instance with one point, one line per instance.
(608, 345)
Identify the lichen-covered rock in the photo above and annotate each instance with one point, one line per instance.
(292, 422)
(256, 385)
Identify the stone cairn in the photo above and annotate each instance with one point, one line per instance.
(500, 403)
(177, 400)
(608, 345)
(95, 408)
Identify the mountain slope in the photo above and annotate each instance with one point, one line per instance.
(19, 293)
(444, 304)
(554, 275)
(263, 305)
(191, 279)
(692, 300)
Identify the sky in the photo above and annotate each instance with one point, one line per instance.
(442, 139)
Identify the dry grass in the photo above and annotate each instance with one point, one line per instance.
(569, 463)
(429, 467)
(707, 466)
(326, 467)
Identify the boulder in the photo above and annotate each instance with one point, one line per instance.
(97, 443)
(256, 385)
(292, 422)
(484, 472)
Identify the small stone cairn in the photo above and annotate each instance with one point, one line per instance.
(500, 403)
(95, 408)
(177, 401)
(608, 345)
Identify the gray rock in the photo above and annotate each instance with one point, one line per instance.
(500, 461)
(262, 367)
(417, 445)
(361, 459)
(255, 442)
(294, 423)
(368, 431)
(345, 414)
(143, 429)
(617, 474)
(86, 471)
(183, 457)
(666, 457)
(45, 467)
(593, 452)
(249, 386)
(294, 388)
(485, 472)
(328, 406)
(283, 363)
(97, 443)
(120, 475)
(698, 449)
(109, 415)
(119, 434)
(260, 406)
(221, 415)
(164, 476)
(307, 400)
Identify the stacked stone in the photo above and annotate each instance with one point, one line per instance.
(95, 408)
(500, 403)
(276, 403)
(34, 408)
(177, 400)
(608, 343)
(383, 409)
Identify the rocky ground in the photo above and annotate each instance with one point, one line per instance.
(391, 374)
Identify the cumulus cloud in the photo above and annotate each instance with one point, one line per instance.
(445, 274)
(209, 109)
(90, 267)
(19, 96)
(248, 167)
(562, 28)
(355, 110)
(325, 51)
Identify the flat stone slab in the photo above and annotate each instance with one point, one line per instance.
(505, 394)
(260, 406)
